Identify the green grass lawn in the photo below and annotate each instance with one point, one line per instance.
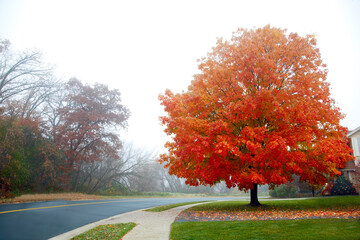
(346, 202)
(108, 232)
(170, 206)
(273, 229)
(282, 229)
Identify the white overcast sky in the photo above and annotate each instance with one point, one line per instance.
(144, 47)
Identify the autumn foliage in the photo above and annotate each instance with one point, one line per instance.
(259, 112)
(29, 161)
(86, 125)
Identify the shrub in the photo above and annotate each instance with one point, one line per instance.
(343, 186)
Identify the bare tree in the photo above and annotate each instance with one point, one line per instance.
(21, 73)
(146, 178)
(172, 183)
(145, 175)
(123, 171)
(34, 103)
(50, 112)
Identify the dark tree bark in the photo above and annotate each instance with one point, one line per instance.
(313, 191)
(254, 196)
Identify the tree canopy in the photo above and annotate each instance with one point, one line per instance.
(259, 112)
(86, 123)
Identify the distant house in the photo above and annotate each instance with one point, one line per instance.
(352, 168)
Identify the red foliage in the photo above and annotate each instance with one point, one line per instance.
(259, 112)
(87, 121)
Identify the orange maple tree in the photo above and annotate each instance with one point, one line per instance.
(259, 112)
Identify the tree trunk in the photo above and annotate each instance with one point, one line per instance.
(254, 196)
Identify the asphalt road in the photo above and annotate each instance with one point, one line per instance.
(43, 220)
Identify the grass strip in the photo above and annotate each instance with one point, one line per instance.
(52, 197)
(280, 230)
(323, 203)
(170, 206)
(109, 231)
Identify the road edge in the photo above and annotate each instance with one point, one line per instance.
(77, 231)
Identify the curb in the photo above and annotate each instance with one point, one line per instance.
(77, 231)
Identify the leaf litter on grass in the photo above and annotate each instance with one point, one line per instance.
(191, 216)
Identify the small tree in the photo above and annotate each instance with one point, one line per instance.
(259, 112)
(343, 186)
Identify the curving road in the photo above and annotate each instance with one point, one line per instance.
(43, 220)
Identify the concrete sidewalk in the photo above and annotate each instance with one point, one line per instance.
(150, 225)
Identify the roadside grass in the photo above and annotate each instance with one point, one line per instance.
(52, 196)
(73, 196)
(281, 230)
(323, 203)
(109, 231)
(170, 206)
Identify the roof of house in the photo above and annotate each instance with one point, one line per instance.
(353, 131)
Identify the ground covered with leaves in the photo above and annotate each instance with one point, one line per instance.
(316, 208)
(266, 215)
